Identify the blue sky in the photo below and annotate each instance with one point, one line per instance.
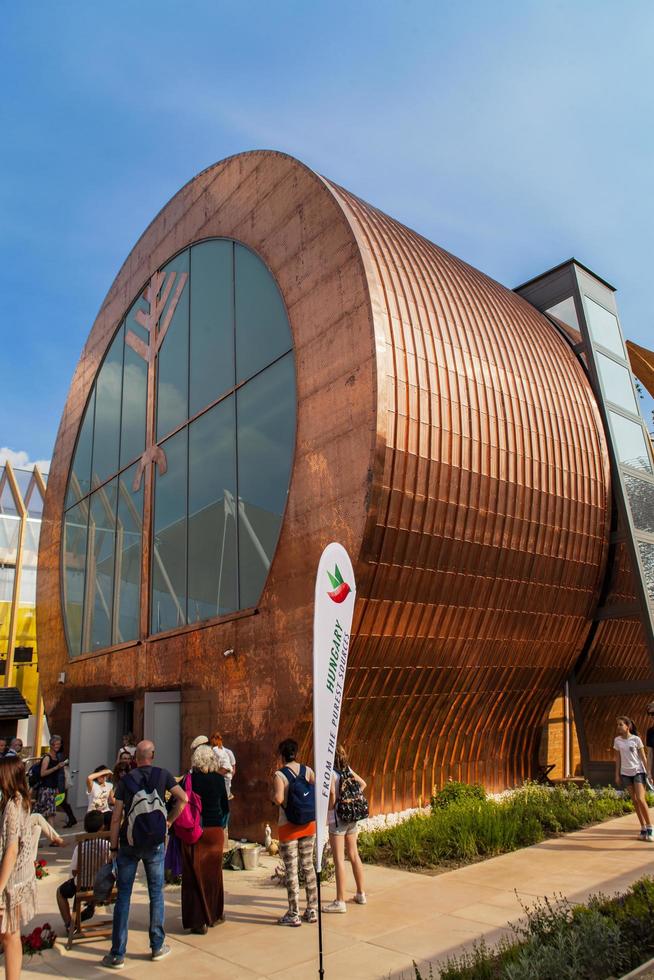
(515, 134)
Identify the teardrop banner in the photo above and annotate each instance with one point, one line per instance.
(332, 623)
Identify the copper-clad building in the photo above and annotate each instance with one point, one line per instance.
(278, 365)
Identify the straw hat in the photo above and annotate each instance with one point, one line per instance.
(199, 740)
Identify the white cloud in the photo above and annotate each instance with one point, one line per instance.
(20, 460)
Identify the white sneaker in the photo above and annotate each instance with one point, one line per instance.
(335, 906)
(360, 898)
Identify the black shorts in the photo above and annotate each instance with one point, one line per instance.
(68, 888)
(640, 777)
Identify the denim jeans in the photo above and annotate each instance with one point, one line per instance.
(153, 862)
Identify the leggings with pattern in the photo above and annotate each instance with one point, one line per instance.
(291, 851)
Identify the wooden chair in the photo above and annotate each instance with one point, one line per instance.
(92, 853)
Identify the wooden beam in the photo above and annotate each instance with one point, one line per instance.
(615, 687)
(642, 364)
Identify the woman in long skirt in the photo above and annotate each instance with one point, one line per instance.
(17, 878)
(202, 862)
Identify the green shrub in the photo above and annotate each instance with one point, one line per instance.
(561, 941)
(454, 792)
(470, 826)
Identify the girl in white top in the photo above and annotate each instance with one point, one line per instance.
(98, 791)
(631, 769)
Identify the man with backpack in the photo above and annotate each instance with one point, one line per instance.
(293, 792)
(138, 831)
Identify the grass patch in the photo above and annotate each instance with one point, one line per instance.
(604, 938)
(465, 826)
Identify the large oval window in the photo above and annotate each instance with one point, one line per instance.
(194, 406)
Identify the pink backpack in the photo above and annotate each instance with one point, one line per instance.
(188, 826)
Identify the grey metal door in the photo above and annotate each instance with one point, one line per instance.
(161, 724)
(94, 738)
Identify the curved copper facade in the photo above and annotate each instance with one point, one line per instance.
(446, 435)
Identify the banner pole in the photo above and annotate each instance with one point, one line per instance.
(334, 598)
(321, 972)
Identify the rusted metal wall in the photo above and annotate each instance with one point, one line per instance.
(446, 435)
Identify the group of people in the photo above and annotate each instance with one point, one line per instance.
(160, 800)
(139, 804)
(10, 747)
(297, 840)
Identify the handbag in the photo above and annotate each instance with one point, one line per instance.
(188, 826)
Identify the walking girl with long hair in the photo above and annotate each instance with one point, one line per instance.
(631, 769)
(17, 878)
(343, 831)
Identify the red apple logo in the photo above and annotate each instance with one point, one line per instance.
(341, 589)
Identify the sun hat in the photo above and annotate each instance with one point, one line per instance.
(199, 740)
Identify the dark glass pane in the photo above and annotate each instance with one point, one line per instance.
(75, 539)
(640, 494)
(106, 432)
(630, 443)
(169, 538)
(135, 390)
(128, 558)
(266, 437)
(100, 573)
(212, 323)
(212, 576)
(79, 483)
(262, 330)
(172, 360)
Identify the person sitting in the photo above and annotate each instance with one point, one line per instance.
(93, 824)
(99, 792)
(41, 826)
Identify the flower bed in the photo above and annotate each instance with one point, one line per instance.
(605, 938)
(464, 825)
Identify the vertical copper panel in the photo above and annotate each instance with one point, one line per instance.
(483, 557)
(446, 435)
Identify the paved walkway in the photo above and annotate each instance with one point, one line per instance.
(409, 916)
